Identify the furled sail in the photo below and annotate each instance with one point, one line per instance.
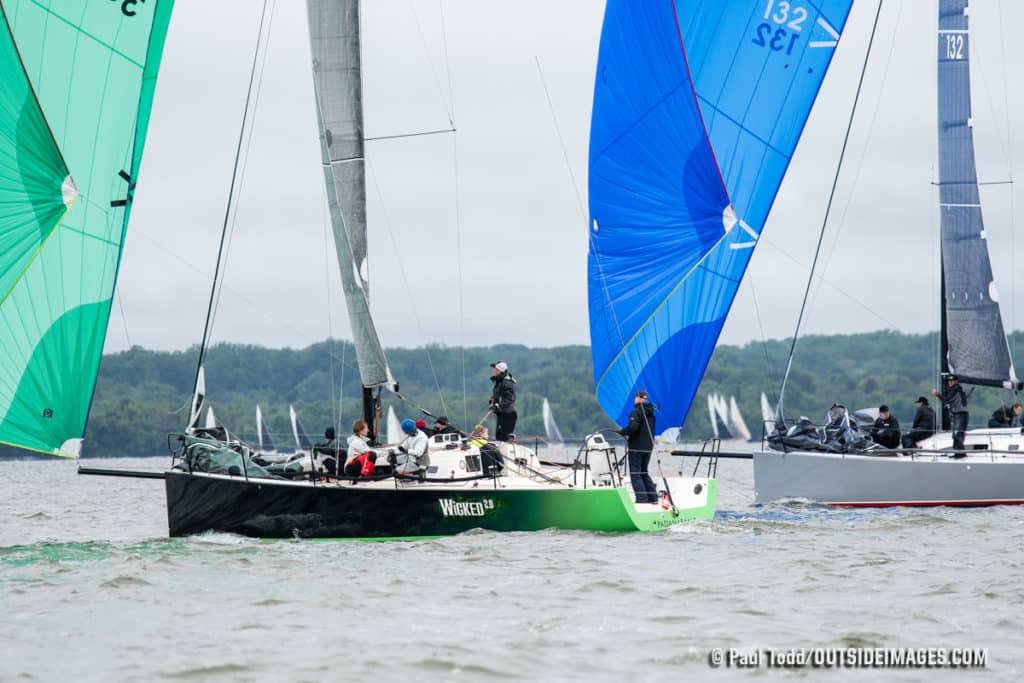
(551, 430)
(973, 337)
(698, 107)
(76, 86)
(334, 37)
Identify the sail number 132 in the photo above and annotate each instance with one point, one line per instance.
(783, 15)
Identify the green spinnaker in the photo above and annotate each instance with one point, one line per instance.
(76, 87)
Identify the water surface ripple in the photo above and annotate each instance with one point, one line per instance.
(92, 589)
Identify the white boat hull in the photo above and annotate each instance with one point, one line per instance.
(921, 478)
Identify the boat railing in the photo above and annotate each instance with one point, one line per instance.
(972, 444)
(710, 450)
(616, 466)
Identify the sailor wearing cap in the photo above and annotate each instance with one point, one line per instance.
(924, 424)
(412, 457)
(954, 400)
(503, 401)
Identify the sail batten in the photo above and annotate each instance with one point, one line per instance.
(974, 338)
(334, 31)
(74, 111)
(698, 108)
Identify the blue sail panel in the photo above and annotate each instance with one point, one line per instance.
(698, 107)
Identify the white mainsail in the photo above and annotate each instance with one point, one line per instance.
(334, 36)
(302, 442)
(394, 433)
(737, 424)
(712, 415)
(767, 412)
(551, 431)
(266, 444)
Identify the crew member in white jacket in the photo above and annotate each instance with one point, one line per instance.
(412, 456)
(357, 443)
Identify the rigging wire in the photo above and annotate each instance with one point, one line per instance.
(830, 283)
(852, 192)
(458, 213)
(1009, 164)
(227, 210)
(828, 209)
(324, 221)
(245, 159)
(760, 326)
(583, 213)
(561, 141)
(124, 318)
(405, 278)
(935, 249)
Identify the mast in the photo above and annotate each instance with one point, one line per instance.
(334, 32)
(973, 341)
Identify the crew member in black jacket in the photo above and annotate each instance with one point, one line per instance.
(955, 401)
(503, 401)
(886, 431)
(639, 433)
(1006, 416)
(924, 424)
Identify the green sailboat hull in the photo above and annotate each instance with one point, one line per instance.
(198, 503)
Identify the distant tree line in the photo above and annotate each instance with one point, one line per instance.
(143, 395)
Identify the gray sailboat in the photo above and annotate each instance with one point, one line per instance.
(989, 469)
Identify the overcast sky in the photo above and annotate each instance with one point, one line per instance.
(521, 232)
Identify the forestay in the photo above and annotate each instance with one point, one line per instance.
(698, 107)
(973, 337)
(76, 85)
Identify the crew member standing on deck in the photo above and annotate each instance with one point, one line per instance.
(503, 401)
(955, 401)
(639, 433)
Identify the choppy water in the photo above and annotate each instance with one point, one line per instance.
(91, 589)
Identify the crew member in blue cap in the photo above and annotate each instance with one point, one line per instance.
(412, 456)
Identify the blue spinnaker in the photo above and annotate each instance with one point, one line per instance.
(698, 107)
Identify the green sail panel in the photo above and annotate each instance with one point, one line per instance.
(77, 79)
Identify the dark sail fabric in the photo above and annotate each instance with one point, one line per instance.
(337, 80)
(975, 342)
(698, 108)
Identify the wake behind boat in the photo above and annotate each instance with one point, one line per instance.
(957, 467)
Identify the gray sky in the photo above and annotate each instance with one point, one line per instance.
(523, 236)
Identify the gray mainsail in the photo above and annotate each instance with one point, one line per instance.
(973, 338)
(337, 79)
